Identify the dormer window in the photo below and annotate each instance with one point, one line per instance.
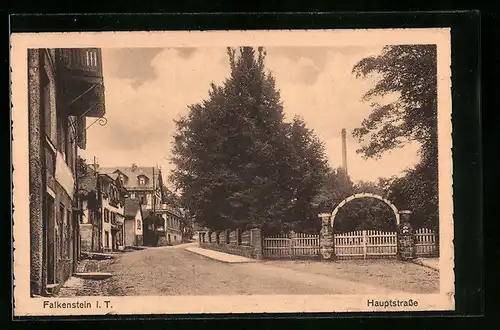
(143, 180)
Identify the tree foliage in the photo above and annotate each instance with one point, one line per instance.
(336, 186)
(410, 73)
(365, 214)
(81, 167)
(237, 162)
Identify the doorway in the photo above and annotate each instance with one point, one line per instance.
(76, 241)
(50, 249)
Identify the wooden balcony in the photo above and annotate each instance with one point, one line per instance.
(80, 81)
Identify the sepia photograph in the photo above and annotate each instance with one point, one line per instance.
(222, 172)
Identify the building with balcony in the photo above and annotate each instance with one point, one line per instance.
(65, 88)
(102, 201)
(146, 185)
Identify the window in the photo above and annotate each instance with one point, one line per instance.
(132, 196)
(143, 200)
(139, 227)
(62, 136)
(106, 215)
(142, 180)
(47, 106)
(106, 238)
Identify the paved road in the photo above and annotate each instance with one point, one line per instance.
(175, 271)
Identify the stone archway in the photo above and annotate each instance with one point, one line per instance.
(364, 195)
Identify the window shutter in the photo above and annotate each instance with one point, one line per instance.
(81, 133)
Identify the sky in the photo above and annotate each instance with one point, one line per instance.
(146, 89)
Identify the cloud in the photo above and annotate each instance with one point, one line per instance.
(316, 83)
(333, 102)
(141, 118)
(130, 63)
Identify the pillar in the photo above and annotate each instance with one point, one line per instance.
(326, 245)
(256, 242)
(406, 237)
(238, 236)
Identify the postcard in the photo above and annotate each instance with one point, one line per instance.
(208, 172)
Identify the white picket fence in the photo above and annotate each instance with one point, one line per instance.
(295, 245)
(425, 242)
(361, 244)
(365, 244)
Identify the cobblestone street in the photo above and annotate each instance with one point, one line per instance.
(175, 271)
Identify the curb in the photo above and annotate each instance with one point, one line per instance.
(420, 263)
(224, 261)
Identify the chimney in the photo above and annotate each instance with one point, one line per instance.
(344, 151)
(134, 167)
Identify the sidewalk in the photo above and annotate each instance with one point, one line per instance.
(219, 256)
(432, 263)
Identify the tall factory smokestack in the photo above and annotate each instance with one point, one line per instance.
(344, 151)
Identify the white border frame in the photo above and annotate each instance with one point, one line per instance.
(24, 305)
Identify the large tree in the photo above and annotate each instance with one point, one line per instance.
(408, 72)
(237, 163)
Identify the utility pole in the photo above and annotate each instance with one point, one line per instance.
(100, 210)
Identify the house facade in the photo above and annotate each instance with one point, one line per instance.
(133, 223)
(145, 184)
(112, 196)
(65, 87)
(102, 201)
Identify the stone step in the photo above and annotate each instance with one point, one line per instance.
(93, 275)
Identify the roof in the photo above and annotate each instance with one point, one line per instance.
(131, 207)
(132, 173)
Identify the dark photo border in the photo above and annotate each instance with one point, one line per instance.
(466, 118)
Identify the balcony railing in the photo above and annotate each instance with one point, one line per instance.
(81, 81)
(160, 207)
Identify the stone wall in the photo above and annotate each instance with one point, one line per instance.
(36, 186)
(247, 244)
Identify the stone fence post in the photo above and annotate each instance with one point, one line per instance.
(238, 236)
(326, 244)
(406, 237)
(256, 242)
